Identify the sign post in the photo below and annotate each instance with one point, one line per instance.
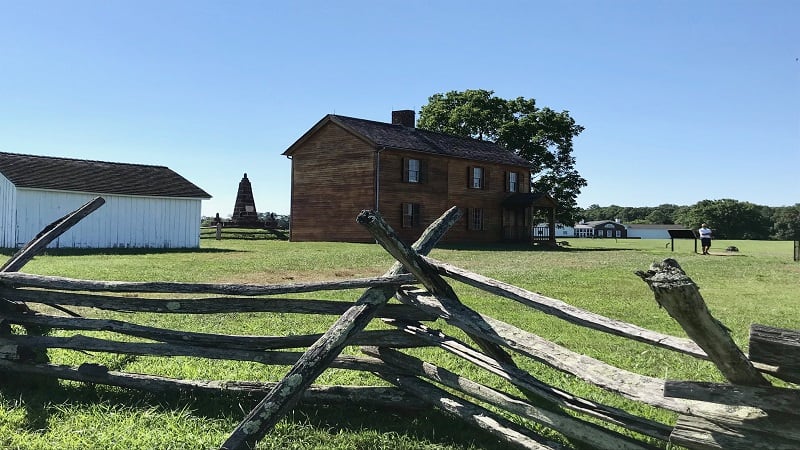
(681, 234)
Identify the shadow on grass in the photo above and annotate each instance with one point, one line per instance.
(522, 247)
(722, 254)
(34, 394)
(38, 395)
(120, 251)
(500, 247)
(429, 425)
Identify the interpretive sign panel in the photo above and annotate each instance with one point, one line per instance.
(681, 234)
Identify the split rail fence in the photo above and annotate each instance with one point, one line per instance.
(747, 412)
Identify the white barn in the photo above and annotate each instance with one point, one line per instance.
(145, 206)
(651, 231)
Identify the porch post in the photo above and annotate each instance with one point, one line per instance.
(552, 225)
(528, 221)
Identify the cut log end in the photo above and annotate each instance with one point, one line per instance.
(365, 216)
(666, 274)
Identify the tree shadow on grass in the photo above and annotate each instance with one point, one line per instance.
(500, 246)
(426, 425)
(39, 395)
(121, 251)
(522, 247)
(595, 250)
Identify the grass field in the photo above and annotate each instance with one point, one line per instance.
(757, 284)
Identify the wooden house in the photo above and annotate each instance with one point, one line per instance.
(343, 165)
(145, 206)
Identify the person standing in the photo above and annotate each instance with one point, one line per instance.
(705, 238)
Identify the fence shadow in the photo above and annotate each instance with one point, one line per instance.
(121, 251)
(38, 396)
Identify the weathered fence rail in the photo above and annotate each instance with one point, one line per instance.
(220, 231)
(747, 412)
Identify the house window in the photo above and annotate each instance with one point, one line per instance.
(619, 233)
(413, 170)
(477, 177)
(475, 219)
(513, 182)
(410, 215)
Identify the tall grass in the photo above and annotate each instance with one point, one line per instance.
(757, 284)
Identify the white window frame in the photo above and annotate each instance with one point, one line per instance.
(478, 175)
(513, 181)
(414, 166)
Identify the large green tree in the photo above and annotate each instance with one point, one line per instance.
(540, 135)
(729, 219)
(786, 223)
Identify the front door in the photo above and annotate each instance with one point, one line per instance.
(514, 227)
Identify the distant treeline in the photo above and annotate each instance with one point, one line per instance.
(730, 219)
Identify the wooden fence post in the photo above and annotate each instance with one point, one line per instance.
(219, 230)
(34, 246)
(679, 295)
(424, 272)
(316, 359)
(49, 234)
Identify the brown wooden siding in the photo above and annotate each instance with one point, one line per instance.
(332, 181)
(430, 193)
(445, 185)
(489, 199)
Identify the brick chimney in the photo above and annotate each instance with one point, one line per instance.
(404, 117)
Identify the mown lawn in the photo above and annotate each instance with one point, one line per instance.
(757, 284)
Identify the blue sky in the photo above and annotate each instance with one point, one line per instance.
(682, 100)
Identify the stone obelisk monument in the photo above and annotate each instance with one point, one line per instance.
(244, 211)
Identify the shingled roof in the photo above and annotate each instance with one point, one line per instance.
(399, 137)
(99, 177)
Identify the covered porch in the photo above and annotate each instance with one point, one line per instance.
(519, 210)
